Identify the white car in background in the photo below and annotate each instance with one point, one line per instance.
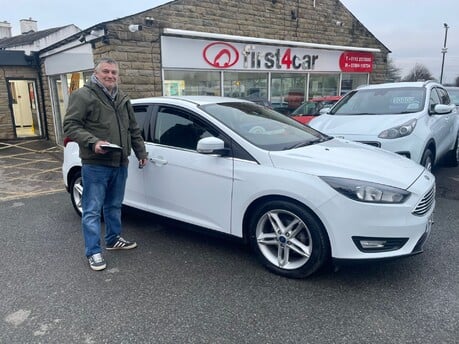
(414, 119)
(453, 92)
(299, 197)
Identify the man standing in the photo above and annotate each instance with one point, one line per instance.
(99, 114)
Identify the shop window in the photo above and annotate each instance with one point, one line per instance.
(181, 83)
(252, 86)
(321, 85)
(350, 82)
(288, 91)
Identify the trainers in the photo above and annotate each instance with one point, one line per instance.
(122, 244)
(97, 262)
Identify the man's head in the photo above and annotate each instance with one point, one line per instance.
(107, 72)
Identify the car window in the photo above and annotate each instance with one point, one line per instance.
(263, 127)
(381, 101)
(443, 95)
(434, 99)
(178, 128)
(141, 115)
(307, 108)
(454, 95)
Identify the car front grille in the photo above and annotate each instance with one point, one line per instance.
(372, 143)
(425, 203)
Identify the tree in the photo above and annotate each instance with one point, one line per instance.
(419, 73)
(393, 73)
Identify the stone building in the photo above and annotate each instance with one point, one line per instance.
(21, 89)
(283, 51)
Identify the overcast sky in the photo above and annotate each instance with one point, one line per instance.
(412, 29)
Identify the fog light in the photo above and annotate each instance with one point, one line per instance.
(372, 243)
(367, 245)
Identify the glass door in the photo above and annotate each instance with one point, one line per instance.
(23, 98)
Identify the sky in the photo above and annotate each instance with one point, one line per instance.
(412, 30)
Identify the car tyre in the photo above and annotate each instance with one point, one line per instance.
(76, 192)
(451, 156)
(427, 159)
(288, 239)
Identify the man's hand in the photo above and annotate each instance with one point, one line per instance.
(142, 163)
(98, 149)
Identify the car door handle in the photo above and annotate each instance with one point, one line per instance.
(159, 161)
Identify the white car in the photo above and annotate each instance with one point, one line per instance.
(414, 119)
(300, 198)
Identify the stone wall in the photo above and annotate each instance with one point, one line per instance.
(138, 53)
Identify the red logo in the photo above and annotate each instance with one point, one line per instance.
(220, 55)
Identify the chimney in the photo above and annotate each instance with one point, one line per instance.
(28, 25)
(5, 30)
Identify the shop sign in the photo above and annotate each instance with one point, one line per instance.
(179, 52)
(356, 62)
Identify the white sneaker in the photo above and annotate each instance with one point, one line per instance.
(97, 262)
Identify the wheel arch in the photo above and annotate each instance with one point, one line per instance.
(433, 148)
(71, 175)
(256, 203)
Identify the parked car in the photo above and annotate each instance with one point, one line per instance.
(259, 100)
(299, 197)
(453, 94)
(308, 110)
(414, 119)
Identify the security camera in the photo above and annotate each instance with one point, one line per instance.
(135, 28)
(82, 39)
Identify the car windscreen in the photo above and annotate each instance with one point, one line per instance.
(263, 127)
(381, 101)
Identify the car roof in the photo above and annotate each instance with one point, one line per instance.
(197, 100)
(399, 84)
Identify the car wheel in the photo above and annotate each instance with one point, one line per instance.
(288, 239)
(76, 192)
(427, 159)
(451, 156)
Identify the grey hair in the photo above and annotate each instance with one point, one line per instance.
(108, 60)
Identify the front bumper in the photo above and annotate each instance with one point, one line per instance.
(404, 230)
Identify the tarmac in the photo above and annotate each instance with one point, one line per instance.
(30, 168)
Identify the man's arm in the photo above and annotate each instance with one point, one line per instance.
(74, 121)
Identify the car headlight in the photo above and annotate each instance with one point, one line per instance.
(364, 191)
(399, 131)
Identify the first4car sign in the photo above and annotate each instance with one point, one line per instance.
(178, 52)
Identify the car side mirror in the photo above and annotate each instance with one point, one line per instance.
(212, 146)
(442, 109)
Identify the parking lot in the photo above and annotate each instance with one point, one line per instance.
(183, 286)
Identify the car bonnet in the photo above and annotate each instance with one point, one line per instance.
(368, 125)
(347, 159)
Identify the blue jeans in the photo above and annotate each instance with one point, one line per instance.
(103, 188)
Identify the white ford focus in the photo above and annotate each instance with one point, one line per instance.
(299, 197)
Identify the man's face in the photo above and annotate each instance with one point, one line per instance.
(107, 73)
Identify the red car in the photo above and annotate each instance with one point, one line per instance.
(306, 111)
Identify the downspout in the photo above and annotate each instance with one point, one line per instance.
(42, 94)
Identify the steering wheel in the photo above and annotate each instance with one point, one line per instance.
(257, 130)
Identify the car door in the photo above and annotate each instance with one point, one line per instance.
(181, 183)
(134, 195)
(441, 124)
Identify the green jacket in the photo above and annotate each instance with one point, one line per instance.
(91, 116)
